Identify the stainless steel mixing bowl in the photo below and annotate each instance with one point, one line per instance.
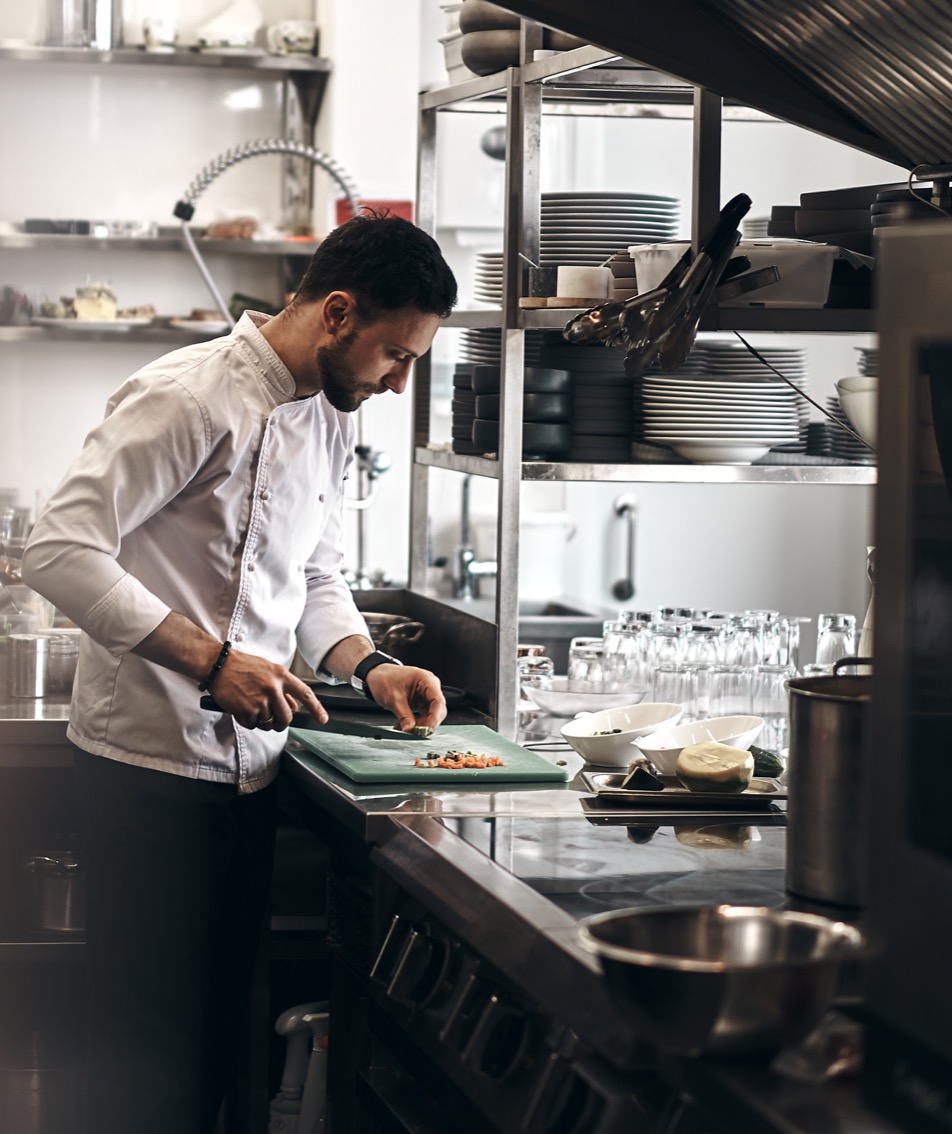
(721, 980)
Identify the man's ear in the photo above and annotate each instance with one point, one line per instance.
(338, 312)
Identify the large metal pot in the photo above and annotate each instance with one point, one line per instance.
(391, 632)
(827, 813)
(57, 892)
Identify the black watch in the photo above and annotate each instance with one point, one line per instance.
(361, 669)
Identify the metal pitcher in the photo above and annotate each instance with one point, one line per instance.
(827, 813)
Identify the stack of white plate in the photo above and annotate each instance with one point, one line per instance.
(587, 228)
(841, 444)
(718, 421)
(868, 360)
(735, 362)
(487, 285)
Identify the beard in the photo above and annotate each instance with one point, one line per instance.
(338, 381)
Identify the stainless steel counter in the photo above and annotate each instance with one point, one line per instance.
(33, 732)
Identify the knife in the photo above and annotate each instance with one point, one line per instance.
(346, 728)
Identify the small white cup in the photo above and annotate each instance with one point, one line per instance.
(292, 37)
(160, 33)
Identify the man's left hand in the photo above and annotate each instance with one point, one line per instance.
(413, 695)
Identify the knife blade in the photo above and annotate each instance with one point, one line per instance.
(372, 732)
(346, 728)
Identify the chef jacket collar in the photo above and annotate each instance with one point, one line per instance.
(270, 365)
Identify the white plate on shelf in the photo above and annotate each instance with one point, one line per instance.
(201, 326)
(90, 324)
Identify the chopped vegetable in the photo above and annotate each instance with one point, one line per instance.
(457, 759)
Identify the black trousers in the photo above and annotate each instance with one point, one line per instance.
(178, 877)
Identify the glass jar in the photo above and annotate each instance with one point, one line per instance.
(61, 663)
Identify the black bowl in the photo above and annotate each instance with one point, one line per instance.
(538, 440)
(535, 407)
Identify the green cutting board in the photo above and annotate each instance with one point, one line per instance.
(368, 761)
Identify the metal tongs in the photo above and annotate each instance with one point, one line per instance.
(662, 323)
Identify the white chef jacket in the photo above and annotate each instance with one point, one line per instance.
(210, 490)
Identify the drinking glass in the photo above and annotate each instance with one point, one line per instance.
(623, 654)
(586, 666)
(770, 699)
(835, 637)
(677, 684)
(730, 690)
(531, 669)
(746, 644)
(705, 649)
(666, 643)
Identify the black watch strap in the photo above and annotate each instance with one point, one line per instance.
(362, 668)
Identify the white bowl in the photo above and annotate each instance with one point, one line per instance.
(615, 750)
(857, 383)
(664, 746)
(722, 452)
(554, 697)
(860, 407)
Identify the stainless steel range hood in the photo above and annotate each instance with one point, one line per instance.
(875, 74)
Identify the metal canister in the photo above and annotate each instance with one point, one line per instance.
(827, 808)
(29, 654)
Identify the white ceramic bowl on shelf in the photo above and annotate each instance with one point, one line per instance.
(664, 746)
(614, 749)
(554, 696)
(860, 407)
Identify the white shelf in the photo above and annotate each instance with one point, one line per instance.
(441, 458)
(166, 242)
(254, 59)
(153, 334)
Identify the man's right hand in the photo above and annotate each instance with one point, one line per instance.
(258, 693)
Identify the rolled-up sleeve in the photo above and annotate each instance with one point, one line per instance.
(150, 444)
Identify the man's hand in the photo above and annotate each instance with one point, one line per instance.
(258, 693)
(413, 695)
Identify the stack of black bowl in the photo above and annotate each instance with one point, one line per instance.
(463, 410)
(546, 412)
(602, 405)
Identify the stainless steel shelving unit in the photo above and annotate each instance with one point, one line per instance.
(584, 81)
(582, 471)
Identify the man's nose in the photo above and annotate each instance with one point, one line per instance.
(398, 377)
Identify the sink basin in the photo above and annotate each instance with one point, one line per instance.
(551, 623)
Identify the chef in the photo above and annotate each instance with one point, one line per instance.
(196, 540)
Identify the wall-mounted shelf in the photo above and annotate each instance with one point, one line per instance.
(155, 334)
(440, 458)
(254, 59)
(167, 242)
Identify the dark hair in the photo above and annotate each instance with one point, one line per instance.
(386, 262)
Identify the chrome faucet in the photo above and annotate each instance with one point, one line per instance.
(469, 569)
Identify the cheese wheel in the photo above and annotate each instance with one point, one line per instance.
(714, 767)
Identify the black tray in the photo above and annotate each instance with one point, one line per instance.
(762, 792)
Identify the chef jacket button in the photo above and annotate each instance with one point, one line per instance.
(266, 495)
(240, 636)
(252, 567)
(321, 497)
